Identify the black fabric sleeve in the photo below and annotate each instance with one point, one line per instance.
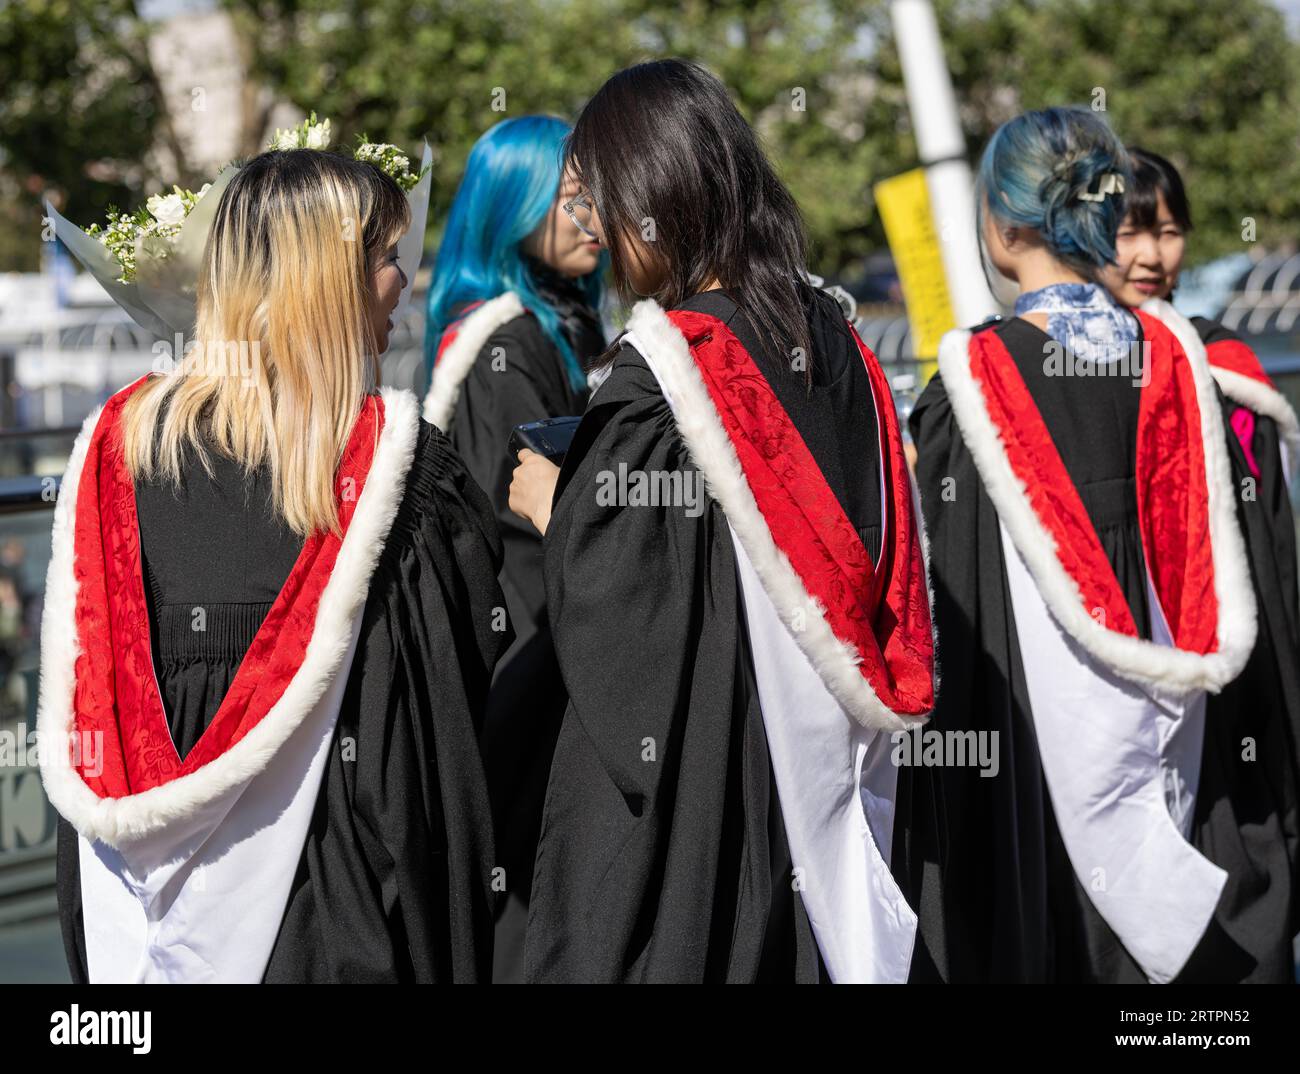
(1248, 801)
(67, 883)
(525, 384)
(1275, 502)
(968, 849)
(654, 860)
(1213, 332)
(395, 882)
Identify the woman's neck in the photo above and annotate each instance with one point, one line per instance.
(1040, 269)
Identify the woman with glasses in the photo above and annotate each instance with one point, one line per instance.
(512, 324)
(735, 584)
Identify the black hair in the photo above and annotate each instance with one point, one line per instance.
(661, 144)
(1153, 175)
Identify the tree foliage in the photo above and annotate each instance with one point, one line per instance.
(1210, 83)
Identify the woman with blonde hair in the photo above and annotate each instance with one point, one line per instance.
(271, 619)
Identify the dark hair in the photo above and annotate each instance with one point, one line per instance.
(1154, 175)
(663, 141)
(1036, 171)
(287, 180)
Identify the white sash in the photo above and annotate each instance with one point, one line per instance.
(836, 783)
(202, 899)
(1122, 763)
(834, 777)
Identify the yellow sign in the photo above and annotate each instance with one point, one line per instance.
(904, 204)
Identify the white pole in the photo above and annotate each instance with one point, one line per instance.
(942, 150)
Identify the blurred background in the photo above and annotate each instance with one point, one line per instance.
(103, 104)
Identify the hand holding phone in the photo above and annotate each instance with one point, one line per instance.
(549, 438)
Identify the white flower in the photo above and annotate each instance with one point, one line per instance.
(167, 209)
(318, 135)
(307, 135)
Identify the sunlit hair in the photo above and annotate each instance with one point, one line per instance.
(285, 286)
(511, 179)
(1033, 171)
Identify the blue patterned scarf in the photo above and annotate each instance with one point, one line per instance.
(1084, 318)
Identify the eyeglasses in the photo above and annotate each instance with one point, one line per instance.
(580, 211)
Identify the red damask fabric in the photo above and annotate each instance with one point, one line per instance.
(1173, 499)
(116, 692)
(1236, 357)
(882, 610)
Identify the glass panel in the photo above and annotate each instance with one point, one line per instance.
(31, 948)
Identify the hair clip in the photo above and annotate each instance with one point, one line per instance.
(1108, 183)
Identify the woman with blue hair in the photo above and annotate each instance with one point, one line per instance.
(512, 319)
(1093, 600)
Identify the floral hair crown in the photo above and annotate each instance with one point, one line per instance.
(148, 261)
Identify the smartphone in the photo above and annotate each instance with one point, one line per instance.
(550, 437)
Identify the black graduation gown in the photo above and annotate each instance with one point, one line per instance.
(1272, 494)
(981, 859)
(394, 879)
(527, 699)
(663, 855)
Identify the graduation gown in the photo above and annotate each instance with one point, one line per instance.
(719, 802)
(497, 369)
(1265, 426)
(289, 787)
(1241, 377)
(987, 860)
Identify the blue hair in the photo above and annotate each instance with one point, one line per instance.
(1033, 171)
(510, 183)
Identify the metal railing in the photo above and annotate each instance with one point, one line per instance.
(27, 820)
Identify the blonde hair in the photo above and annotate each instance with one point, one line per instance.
(285, 289)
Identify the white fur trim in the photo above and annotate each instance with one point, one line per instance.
(450, 371)
(1263, 400)
(115, 820)
(1146, 663)
(711, 449)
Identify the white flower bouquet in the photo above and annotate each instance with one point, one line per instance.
(148, 261)
(161, 217)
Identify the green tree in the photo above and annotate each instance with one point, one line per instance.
(80, 107)
(1214, 85)
(1210, 83)
(447, 69)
